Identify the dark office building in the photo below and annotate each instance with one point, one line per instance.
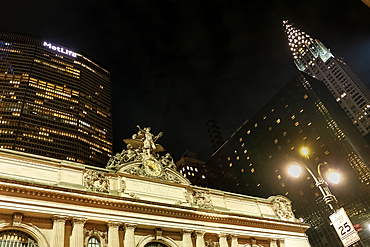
(54, 101)
(302, 114)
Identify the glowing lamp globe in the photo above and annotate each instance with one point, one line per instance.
(295, 171)
(334, 177)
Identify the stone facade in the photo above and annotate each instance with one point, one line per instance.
(59, 203)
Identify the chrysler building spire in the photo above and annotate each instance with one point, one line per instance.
(314, 58)
(300, 42)
(296, 38)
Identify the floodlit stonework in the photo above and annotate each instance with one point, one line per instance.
(48, 202)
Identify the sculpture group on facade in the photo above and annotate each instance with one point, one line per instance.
(200, 198)
(142, 148)
(96, 181)
(283, 208)
(142, 145)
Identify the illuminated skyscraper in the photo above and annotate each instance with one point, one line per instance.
(54, 101)
(314, 58)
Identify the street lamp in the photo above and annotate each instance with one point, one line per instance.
(321, 184)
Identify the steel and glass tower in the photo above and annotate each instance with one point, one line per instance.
(53, 101)
(314, 58)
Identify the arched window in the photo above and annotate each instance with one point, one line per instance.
(14, 238)
(155, 244)
(93, 242)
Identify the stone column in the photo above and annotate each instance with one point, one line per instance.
(273, 243)
(77, 238)
(129, 240)
(223, 239)
(113, 236)
(282, 242)
(186, 238)
(234, 240)
(200, 239)
(59, 223)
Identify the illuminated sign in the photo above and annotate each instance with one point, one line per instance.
(60, 49)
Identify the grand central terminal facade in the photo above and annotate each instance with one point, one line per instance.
(138, 200)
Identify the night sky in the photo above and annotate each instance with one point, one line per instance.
(176, 64)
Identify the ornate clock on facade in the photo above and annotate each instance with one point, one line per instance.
(152, 167)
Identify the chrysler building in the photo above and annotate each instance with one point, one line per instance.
(314, 58)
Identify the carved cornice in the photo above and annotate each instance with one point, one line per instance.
(112, 202)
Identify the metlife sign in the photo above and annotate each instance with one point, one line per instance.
(60, 49)
(344, 227)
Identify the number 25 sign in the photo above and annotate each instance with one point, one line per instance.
(344, 227)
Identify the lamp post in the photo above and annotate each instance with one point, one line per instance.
(339, 218)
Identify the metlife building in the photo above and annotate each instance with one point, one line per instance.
(54, 101)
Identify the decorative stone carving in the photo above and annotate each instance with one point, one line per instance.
(142, 158)
(283, 208)
(114, 161)
(167, 161)
(17, 219)
(96, 181)
(135, 171)
(173, 179)
(200, 198)
(97, 233)
(158, 233)
(122, 185)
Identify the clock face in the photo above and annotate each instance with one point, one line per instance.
(152, 167)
